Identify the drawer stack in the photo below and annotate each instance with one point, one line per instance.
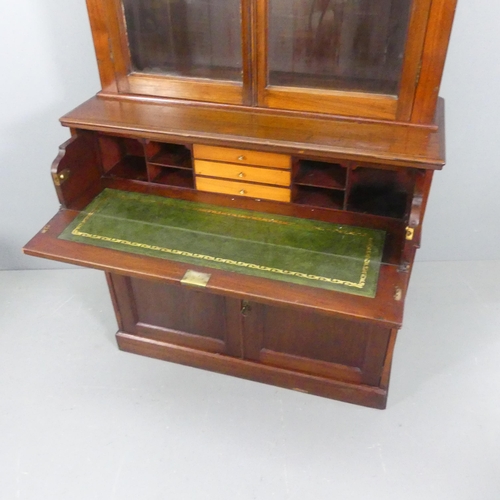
(242, 172)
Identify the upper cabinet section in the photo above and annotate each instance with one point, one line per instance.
(376, 59)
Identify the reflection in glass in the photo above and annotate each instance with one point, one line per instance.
(355, 45)
(188, 38)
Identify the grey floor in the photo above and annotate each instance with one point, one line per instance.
(81, 420)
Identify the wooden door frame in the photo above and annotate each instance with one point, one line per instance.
(375, 106)
(110, 40)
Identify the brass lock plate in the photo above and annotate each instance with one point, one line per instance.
(194, 278)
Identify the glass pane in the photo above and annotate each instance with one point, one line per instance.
(355, 45)
(188, 38)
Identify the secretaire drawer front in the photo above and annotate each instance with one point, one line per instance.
(241, 156)
(242, 189)
(242, 172)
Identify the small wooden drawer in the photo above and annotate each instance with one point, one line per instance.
(243, 156)
(242, 189)
(242, 172)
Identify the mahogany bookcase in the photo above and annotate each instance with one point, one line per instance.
(288, 111)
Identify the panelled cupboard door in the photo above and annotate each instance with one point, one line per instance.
(291, 339)
(194, 49)
(178, 315)
(355, 57)
(314, 343)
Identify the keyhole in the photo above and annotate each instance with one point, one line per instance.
(245, 308)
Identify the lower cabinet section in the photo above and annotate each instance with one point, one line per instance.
(291, 347)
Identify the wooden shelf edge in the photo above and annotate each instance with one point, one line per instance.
(113, 94)
(389, 143)
(163, 165)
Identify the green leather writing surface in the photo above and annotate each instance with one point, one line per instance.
(306, 252)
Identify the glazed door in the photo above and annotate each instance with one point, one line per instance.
(187, 49)
(347, 57)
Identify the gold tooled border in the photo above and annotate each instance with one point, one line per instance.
(361, 283)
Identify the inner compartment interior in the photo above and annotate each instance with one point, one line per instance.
(383, 192)
(122, 157)
(337, 185)
(146, 161)
(380, 190)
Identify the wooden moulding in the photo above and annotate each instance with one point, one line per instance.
(388, 143)
(433, 58)
(413, 53)
(101, 44)
(337, 103)
(365, 395)
(197, 90)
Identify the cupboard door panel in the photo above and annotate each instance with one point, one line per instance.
(179, 309)
(316, 344)
(183, 316)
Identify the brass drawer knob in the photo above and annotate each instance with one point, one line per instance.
(243, 191)
(241, 158)
(241, 175)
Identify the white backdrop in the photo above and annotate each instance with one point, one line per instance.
(48, 67)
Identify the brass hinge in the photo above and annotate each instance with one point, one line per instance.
(410, 233)
(61, 177)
